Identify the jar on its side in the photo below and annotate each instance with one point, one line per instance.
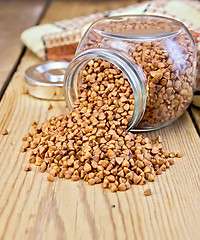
(157, 55)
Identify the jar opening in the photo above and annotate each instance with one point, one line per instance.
(133, 74)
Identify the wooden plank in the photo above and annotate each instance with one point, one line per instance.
(196, 116)
(79, 8)
(15, 17)
(32, 208)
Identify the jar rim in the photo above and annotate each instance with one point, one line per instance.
(124, 62)
(132, 16)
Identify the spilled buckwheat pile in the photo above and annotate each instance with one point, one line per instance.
(92, 141)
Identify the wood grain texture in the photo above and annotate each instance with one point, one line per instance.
(33, 208)
(78, 8)
(15, 16)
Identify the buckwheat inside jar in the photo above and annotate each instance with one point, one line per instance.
(158, 57)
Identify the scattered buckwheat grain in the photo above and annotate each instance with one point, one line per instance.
(27, 168)
(92, 142)
(50, 106)
(4, 132)
(147, 192)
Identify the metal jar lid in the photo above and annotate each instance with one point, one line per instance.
(46, 80)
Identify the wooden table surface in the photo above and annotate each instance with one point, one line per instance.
(33, 208)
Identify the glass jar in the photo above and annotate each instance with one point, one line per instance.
(156, 54)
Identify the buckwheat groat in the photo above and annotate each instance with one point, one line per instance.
(92, 142)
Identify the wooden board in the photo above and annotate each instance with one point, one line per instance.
(15, 16)
(83, 8)
(33, 208)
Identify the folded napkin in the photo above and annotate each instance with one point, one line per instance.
(59, 40)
